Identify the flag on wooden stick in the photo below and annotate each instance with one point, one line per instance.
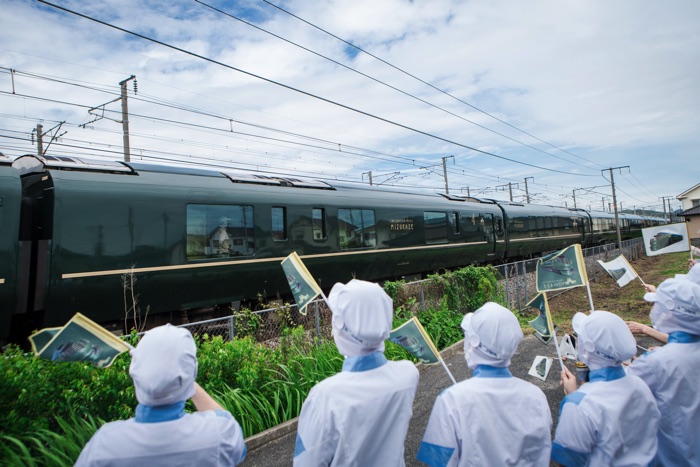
(301, 282)
(80, 340)
(620, 270)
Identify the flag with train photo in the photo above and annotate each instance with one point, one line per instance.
(563, 269)
(543, 325)
(620, 270)
(669, 238)
(80, 340)
(301, 282)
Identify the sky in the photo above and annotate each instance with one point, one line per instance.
(537, 98)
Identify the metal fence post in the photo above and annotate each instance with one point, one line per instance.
(232, 328)
(517, 283)
(422, 298)
(318, 319)
(525, 278)
(505, 281)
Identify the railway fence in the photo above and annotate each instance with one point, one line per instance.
(517, 279)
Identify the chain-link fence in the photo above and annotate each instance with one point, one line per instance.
(517, 280)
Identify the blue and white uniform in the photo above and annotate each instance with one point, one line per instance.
(672, 372)
(164, 368)
(611, 420)
(492, 418)
(167, 436)
(358, 417)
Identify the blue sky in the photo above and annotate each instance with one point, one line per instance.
(553, 91)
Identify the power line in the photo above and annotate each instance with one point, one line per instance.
(306, 93)
(427, 83)
(383, 82)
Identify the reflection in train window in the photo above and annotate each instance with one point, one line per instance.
(356, 229)
(435, 227)
(318, 221)
(279, 223)
(219, 231)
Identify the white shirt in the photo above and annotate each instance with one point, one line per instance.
(358, 417)
(673, 375)
(491, 419)
(611, 420)
(208, 438)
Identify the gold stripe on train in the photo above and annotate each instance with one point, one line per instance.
(76, 275)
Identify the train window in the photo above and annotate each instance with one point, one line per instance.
(435, 227)
(356, 229)
(318, 221)
(455, 222)
(219, 231)
(279, 223)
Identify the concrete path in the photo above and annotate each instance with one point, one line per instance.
(275, 447)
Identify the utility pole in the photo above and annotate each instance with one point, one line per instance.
(527, 193)
(125, 118)
(663, 202)
(370, 176)
(603, 200)
(670, 212)
(510, 189)
(466, 188)
(614, 202)
(39, 139)
(444, 171)
(574, 193)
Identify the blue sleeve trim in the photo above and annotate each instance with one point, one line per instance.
(575, 398)
(568, 457)
(434, 455)
(299, 447)
(223, 413)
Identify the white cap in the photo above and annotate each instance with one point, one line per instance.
(164, 366)
(362, 314)
(491, 336)
(693, 275)
(676, 306)
(603, 339)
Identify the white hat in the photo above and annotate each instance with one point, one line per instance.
(491, 336)
(362, 314)
(693, 275)
(603, 339)
(676, 306)
(164, 366)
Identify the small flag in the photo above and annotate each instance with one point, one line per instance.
(80, 340)
(562, 270)
(669, 238)
(301, 282)
(412, 337)
(620, 270)
(540, 367)
(544, 327)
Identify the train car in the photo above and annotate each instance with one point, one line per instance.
(10, 202)
(532, 229)
(197, 239)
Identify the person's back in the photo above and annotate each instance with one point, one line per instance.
(496, 422)
(492, 418)
(358, 417)
(198, 439)
(164, 368)
(624, 416)
(671, 371)
(364, 416)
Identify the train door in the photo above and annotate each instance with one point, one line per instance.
(35, 233)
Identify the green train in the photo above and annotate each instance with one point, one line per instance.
(77, 234)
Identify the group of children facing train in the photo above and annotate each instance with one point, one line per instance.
(647, 412)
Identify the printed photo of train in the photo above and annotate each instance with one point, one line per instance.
(74, 231)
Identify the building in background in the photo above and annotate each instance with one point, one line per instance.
(690, 199)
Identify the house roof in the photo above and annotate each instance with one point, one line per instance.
(683, 195)
(694, 211)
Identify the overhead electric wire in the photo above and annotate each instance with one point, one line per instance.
(425, 82)
(376, 80)
(306, 93)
